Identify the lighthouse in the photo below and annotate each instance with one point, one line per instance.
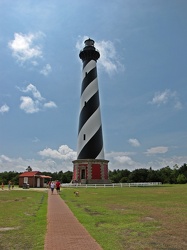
(90, 166)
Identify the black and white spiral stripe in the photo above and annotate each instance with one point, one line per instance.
(90, 138)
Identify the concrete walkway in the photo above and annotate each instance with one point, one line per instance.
(64, 231)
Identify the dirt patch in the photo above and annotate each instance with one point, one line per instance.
(2, 229)
(145, 219)
(89, 211)
(27, 214)
(20, 199)
(99, 223)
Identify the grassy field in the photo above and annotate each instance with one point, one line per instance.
(133, 218)
(118, 218)
(22, 219)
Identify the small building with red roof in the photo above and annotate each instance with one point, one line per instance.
(33, 179)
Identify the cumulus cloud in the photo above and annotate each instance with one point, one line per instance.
(161, 98)
(46, 70)
(50, 105)
(157, 150)
(134, 142)
(4, 108)
(61, 159)
(35, 103)
(5, 158)
(20, 164)
(24, 48)
(122, 160)
(108, 60)
(29, 105)
(62, 153)
(33, 90)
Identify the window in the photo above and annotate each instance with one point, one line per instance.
(83, 172)
(84, 137)
(25, 180)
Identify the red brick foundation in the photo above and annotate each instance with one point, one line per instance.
(89, 171)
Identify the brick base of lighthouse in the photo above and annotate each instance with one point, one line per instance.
(89, 171)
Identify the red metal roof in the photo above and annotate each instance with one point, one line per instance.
(30, 174)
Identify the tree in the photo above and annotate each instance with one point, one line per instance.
(174, 174)
(115, 176)
(165, 174)
(181, 179)
(153, 176)
(183, 169)
(12, 176)
(124, 180)
(67, 177)
(139, 175)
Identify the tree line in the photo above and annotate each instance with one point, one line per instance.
(175, 175)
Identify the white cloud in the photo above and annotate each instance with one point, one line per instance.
(115, 154)
(108, 56)
(29, 105)
(36, 103)
(161, 98)
(50, 105)
(46, 70)
(20, 164)
(34, 63)
(157, 150)
(5, 158)
(35, 140)
(31, 88)
(167, 96)
(61, 159)
(3, 109)
(122, 160)
(23, 46)
(63, 153)
(134, 142)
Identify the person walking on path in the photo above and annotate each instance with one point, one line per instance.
(52, 187)
(58, 186)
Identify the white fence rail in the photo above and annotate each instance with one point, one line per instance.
(138, 184)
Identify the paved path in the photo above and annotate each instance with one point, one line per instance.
(64, 232)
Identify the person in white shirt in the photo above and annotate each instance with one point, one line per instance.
(52, 187)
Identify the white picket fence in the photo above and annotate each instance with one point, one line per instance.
(138, 184)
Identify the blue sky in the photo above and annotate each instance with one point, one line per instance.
(142, 75)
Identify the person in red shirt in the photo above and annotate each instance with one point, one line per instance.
(58, 187)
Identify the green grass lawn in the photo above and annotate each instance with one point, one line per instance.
(22, 219)
(133, 218)
(118, 218)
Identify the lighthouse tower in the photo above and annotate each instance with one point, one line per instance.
(90, 166)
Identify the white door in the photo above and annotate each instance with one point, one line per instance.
(38, 182)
